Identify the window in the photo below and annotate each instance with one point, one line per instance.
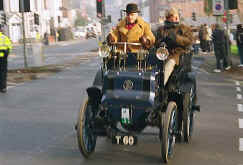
(14, 6)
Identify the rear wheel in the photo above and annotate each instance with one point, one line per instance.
(85, 130)
(168, 131)
(188, 117)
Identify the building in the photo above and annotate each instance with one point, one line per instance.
(240, 10)
(51, 15)
(185, 7)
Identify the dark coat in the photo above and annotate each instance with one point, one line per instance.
(219, 39)
(238, 37)
(178, 38)
(202, 33)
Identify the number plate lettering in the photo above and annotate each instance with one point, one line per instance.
(125, 140)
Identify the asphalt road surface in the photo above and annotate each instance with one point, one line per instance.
(37, 124)
(58, 53)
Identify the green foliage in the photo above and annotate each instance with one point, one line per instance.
(208, 7)
(81, 21)
(234, 50)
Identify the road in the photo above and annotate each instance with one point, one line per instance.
(37, 124)
(58, 53)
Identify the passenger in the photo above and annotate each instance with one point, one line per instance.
(178, 38)
(132, 29)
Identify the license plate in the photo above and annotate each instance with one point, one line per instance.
(128, 140)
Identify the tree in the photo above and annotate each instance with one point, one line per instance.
(208, 7)
(80, 20)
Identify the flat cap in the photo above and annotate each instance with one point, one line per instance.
(171, 12)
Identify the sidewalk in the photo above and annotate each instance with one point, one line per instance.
(51, 44)
(209, 65)
(22, 75)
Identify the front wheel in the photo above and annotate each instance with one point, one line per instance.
(85, 130)
(168, 131)
(187, 117)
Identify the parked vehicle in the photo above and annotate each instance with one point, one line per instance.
(90, 34)
(80, 33)
(128, 95)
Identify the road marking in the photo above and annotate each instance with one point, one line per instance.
(9, 87)
(241, 144)
(239, 96)
(238, 89)
(11, 84)
(12, 55)
(240, 107)
(240, 123)
(199, 70)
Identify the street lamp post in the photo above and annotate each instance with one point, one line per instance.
(227, 30)
(24, 38)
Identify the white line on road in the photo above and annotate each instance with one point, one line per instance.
(9, 87)
(240, 123)
(240, 107)
(237, 83)
(11, 84)
(241, 144)
(239, 96)
(238, 89)
(200, 70)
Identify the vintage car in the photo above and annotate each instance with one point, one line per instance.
(128, 94)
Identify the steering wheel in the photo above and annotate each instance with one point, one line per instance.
(125, 44)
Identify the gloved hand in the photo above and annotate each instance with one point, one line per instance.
(144, 41)
(110, 39)
(171, 37)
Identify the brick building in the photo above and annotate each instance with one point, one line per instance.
(185, 7)
(240, 10)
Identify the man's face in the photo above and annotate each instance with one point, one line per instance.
(132, 17)
(173, 18)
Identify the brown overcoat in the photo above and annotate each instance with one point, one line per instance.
(183, 39)
(121, 34)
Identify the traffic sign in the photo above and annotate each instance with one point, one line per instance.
(218, 7)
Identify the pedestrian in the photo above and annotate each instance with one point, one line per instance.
(219, 40)
(228, 46)
(46, 38)
(203, 38)
(239, 42)
(5, 47)
(208, 38)
(196, 41)
(38, 37)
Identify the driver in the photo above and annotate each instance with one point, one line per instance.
(178, 38)
(132, 29)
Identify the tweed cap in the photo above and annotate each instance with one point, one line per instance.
(171, 12)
